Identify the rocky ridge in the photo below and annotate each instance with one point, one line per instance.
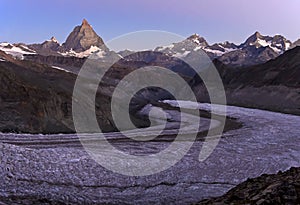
(83, 41)
(256, 49)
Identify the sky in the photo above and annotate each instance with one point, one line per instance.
(34, 21)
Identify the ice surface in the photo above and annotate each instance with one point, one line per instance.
(267, 142)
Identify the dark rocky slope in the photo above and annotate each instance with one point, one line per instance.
(36, 98)
(70, 63)
(281, 188)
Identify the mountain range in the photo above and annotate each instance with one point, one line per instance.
(83, 41)
(37, 80)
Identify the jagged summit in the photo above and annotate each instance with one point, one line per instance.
(85, 23)
(277, 43)
(257, 34)
(195, 35)
(82, 38)
(255, 40)
(196, 38)
(53, 39)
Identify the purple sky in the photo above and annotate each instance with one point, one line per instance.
(217, 20)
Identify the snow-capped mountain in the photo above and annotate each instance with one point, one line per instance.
(193, 44)
(255, 50)
(277, 43)
(81, 42)
(218, 49)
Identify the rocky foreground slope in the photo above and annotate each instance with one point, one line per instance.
(281, 188)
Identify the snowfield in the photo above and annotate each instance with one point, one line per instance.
(16, 51)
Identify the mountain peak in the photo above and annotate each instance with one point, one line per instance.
(195, 35)
(257, 34)
(53, 39)
(82, 38)
(196, 38)
(257, 40)
(85, 23)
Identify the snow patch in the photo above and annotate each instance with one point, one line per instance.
(277, 50)
(181, 55)
(59, 68)
(196, 39)
(263, 42)
(162, 48)
(287, 46)
(217, 52)
(198, 48)
(83, 54)
(16, 51)
(4, 44)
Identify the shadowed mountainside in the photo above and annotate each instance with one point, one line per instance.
(273, 85)
(37, 98)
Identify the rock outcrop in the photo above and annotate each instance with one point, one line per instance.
(281, 188)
